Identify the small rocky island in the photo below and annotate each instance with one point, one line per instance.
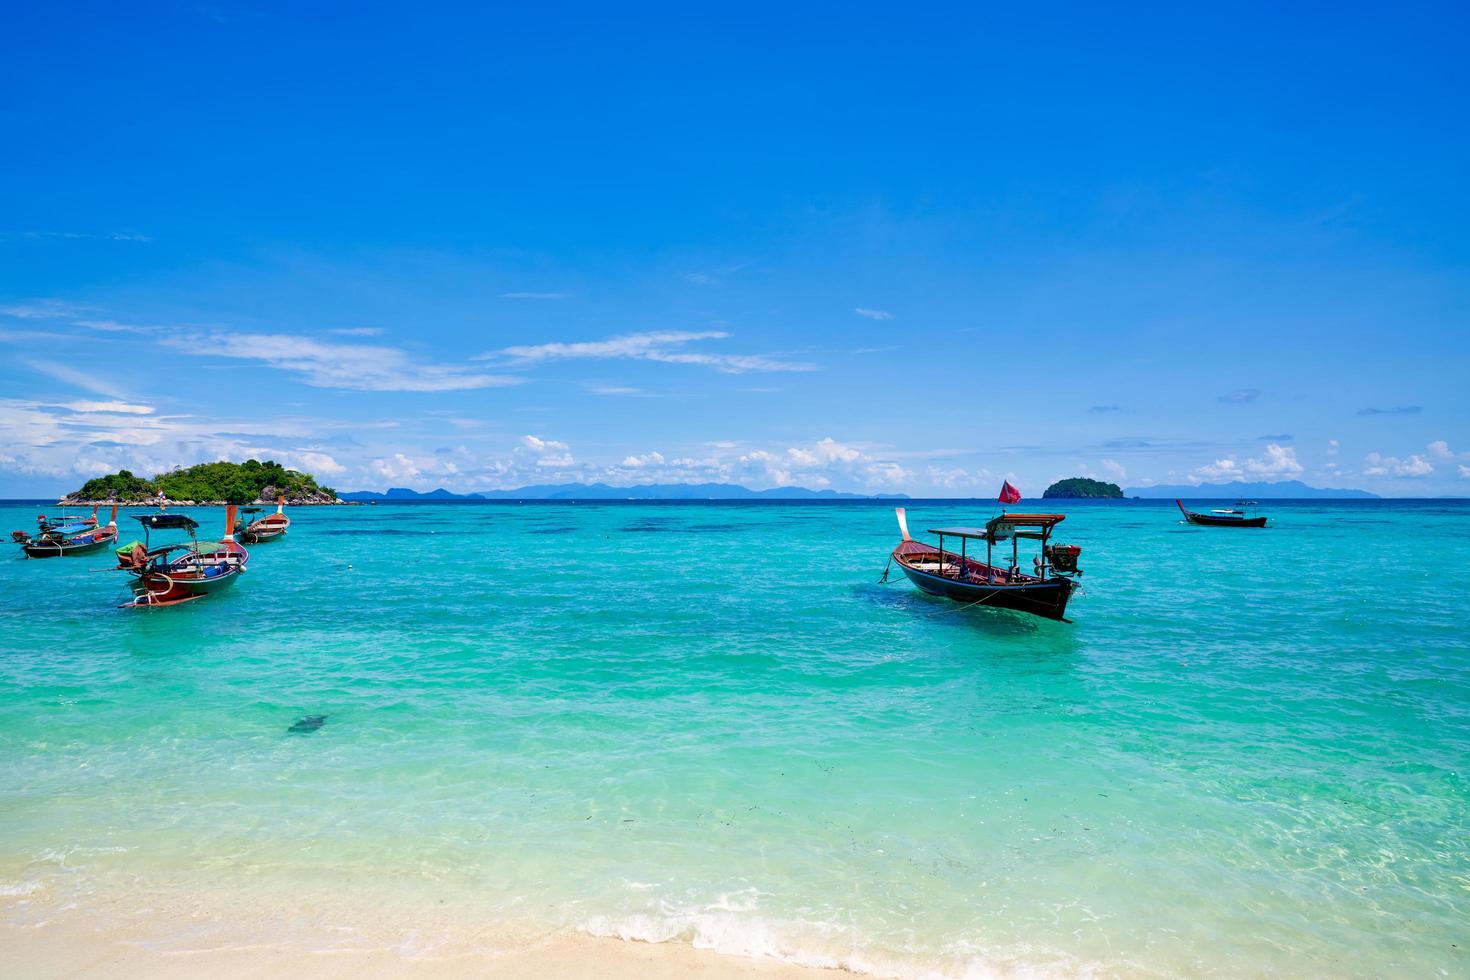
(208, 483)
(1080, 488)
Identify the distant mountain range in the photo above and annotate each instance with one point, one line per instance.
(1283, 490)
(601, 491)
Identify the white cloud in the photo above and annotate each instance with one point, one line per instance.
(548, 452)
(615, 390)
(63, 440)
(700, 279)
(646, 459)
(359, 367)
(1333, 446)
(818, 464)
(1441, 449)
(1279, 461)
(1464, 472)
(663, 346)
(873, 314)
(1411, 466)
(959, 478)
(357, 331)
(120, 408)
(396, 467)
(315, 463)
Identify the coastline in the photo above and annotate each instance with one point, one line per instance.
(215, 932)
(75, 951)
(204, 503)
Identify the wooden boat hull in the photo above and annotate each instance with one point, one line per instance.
(1039, 597)
(164, 588)
(189, 577)
(1204, 520)
(1210, 520)
(40, 548)
(268, 528)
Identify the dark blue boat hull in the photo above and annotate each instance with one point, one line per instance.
(1047, 598)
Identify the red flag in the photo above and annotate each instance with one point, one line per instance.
(1009, 494)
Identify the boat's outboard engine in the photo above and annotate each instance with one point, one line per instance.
(1063, 558)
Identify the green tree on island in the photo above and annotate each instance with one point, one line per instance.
(1081, 487)
(234, 483)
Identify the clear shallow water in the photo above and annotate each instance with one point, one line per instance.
(1248, 754)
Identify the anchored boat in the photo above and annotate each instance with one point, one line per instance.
(1042, 592)
(253, 530)
(1224, 516)
(177, 573)
(80, 537)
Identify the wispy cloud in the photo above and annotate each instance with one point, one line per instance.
(111, 236)
(359, 367)
(357, 331)
(663, 346)
(700, 279)
(84, 380)
(113, 326)
(873, 314)
(1397, 410)
(535, 295)
(45, 309)
(1241, 396)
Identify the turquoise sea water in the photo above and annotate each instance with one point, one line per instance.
(1248, 754)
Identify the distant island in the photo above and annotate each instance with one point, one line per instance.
(1080, 487)
(601, 491)
(1281, 490)
(208, 483)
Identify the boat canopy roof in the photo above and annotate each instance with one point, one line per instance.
(167, 520)
(961, 532)
(1045, 521)
(72, 527)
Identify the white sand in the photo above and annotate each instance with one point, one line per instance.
(217, 932)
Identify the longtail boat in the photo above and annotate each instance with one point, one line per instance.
(177, 573)
(45, 523)
(81, 537)
(1223, 516)
(253, 530)
(1042, 592)
(67, 525)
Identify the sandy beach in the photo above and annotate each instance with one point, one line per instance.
(184, 938)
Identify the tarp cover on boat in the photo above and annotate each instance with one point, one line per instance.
(167, 521)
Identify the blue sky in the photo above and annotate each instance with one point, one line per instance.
(881, 248)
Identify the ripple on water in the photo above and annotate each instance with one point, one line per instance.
(1243, 751)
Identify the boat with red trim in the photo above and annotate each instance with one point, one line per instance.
(173, 574)
(253, 530)
(1044, 591)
